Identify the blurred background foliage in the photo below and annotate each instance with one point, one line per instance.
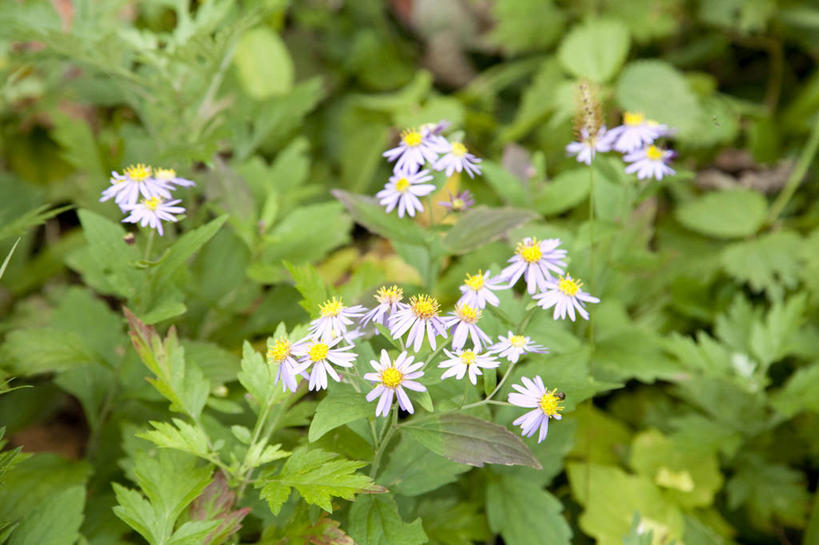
(708, 280)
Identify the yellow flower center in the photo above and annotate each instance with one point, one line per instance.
(279, 350)
(654, 153)
(138, 172)
(550, 403)
(402, 185)
(568, 285)
(529, 252)
(424, 306)
(411, 138)
(152, 203)
(633, 118)
(517, 341)
(467, 314)
(393, 294)
(331, 307)
(165, 173)
(391, 377)
(318, 352)
(458, 149)
(475, 281)
(458, 204)
(468, 357)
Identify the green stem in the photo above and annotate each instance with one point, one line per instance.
(389, 431)
(591, 246)
(437, 351)
(257, 430)
(797, 174)
(149, 245)
(495, 391)
(525, 322)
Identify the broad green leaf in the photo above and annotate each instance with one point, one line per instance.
(732, 213)
(524, 513)
(449, 521)
(257, 376)
(526, 25)
(770, 262)
(180, 436)
(340, 406)
(317, 475)
(194, 532)
(508, 186)
(181, 250)
(112, 256)
(428, 471)
(374, 520)
(470, 440)
(265, 66)
(308, 233)
(368, 213)
(690, 477)
(599, 437)
(595, 49)
(47, 349)
(564, 192)
(611, 497)
(662, 93)
(79, 147)
(482, 225)
(55, 521)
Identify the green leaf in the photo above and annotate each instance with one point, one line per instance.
(770, 262)
(773, 340)
(368, 213)
(611, 497)
(8, 458)
(46, 349)
(799, 393)
(181, 250)
(308, 233)
(341, 406)
(264, 65)
(662, 93)
(8, 257)
(564, 192)
(310, 285)
(79, 147)
(112, 257)
(317, 475)
(526, 25)
(428, 471)
(470, 440)
(732, 213)
(29, 219)
(55, 521)
(180, 436)
(595, 49)
(450, 521)
(524, 513)
(508, 186)
(256, 376)
(180, 382)
(482, 225)
(374, 520)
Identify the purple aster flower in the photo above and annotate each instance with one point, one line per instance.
(566, 296)
(650, 162)
(392, 377)
(545, 404)
(536, 260)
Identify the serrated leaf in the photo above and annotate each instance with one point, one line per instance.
(310, 286)
(482, 225)
(256, 376)
(339, 407)
(523, 513)
(732, 213)
(770, 262)
(595, 49)
(180, 436)
(55, 521)
(799, 393)
(111, 255)
(470, 440)
(374, 520)
(317, 475)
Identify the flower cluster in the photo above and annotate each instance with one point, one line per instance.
(144, 193)
(635, 138)
(425, 146)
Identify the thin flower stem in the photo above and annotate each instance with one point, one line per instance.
(437, 351)
(797, 174)
(149, 245)
(591, 246)
(389, 431)
(257, 430)
(495, 391)
(525, 322)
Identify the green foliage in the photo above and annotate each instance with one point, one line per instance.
(56, 521)
(595, 49)
(374, 520)
(726, 214)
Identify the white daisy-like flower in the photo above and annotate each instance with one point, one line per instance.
(334, 319)
(650, 162)
(566, 296)
(545, 404)
(432, 132)
(392, 377)
(589, 145)
(403, 191)
(477, 290)
(458, 159)
(135, 180)
(462, 362)
(421, 315)
(416, 148)
(635, 133)
(536, 260)
(389, 300)
(280, 353)
(512, 347)
(464, 321)
(322, 356)
(167, 176)
(152, 212)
